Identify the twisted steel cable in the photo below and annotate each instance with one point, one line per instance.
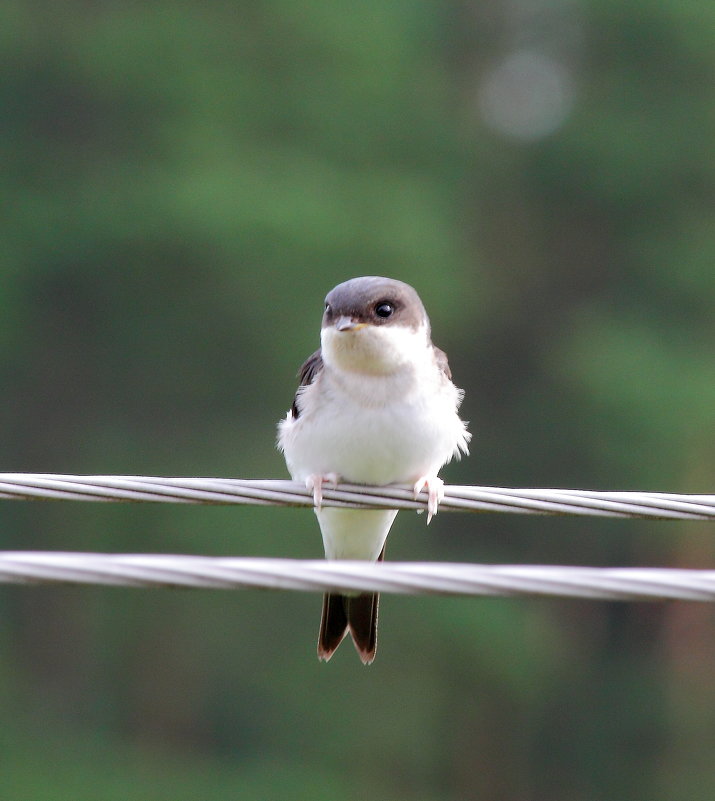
(161, 570)
(155, 570)
(652, 505)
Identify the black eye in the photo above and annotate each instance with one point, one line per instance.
(384, 309)
(327, 308)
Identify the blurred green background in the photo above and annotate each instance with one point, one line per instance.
(182, 183)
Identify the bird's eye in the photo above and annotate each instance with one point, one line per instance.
(384, 309)
(327, 308)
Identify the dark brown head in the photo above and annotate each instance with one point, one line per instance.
(374, 325)
(373, 300)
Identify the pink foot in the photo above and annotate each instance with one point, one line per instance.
(435, 490)
(315, 485)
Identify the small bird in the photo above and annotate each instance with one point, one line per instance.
(375, 405)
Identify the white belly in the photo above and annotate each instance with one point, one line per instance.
(373, 433)
(354, 533)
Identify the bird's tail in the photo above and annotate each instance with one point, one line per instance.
(356, 614)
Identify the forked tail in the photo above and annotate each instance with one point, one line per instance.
(356, 614)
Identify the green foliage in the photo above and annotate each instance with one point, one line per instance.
(183, 183)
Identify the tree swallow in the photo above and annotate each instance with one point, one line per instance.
(375, 405)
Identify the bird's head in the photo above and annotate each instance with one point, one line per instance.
(374, 325)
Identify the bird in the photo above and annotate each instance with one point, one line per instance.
(375, 405)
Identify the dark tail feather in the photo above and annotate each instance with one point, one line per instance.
(362, 622)
(333, 625)
(354, 613)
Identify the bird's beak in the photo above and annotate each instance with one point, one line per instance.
(348, 324)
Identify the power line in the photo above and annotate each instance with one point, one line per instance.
(164, 570)
(159, 570)
(649, 505)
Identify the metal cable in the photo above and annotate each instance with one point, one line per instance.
(161, 570)
(652, 505)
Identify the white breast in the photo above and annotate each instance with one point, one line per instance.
(375, 429)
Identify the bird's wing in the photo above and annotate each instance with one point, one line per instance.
(441, 359)
(308, 372)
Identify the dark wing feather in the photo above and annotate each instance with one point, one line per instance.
(441, 359)
(306, 375)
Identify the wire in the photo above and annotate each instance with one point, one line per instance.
(155, 570)
(651, 505)
(162, 570)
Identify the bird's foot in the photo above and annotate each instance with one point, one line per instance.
(435, 493)
(315, 485)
